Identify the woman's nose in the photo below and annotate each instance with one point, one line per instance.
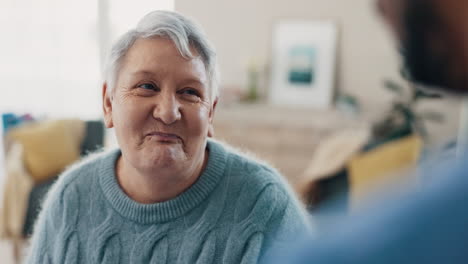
(167, 109)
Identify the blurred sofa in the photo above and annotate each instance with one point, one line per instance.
(93, 140)
(37, 153)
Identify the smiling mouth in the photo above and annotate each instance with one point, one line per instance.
(165, 137)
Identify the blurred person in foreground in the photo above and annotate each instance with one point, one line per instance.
(430, 224)
(168, 194)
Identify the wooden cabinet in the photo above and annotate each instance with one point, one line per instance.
(284, 137)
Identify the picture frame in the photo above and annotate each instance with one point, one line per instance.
(303, 63)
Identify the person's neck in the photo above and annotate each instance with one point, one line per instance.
(148, 188)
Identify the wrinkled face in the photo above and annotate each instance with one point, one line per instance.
(160, 108)
(431, 40)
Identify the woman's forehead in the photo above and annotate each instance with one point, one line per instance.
(159, 57)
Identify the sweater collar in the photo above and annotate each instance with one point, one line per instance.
(168, 210)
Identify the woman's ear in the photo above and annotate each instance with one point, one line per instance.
(211, 131)
(211, 117)
(107, 105)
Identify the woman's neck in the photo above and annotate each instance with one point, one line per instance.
(149, 188)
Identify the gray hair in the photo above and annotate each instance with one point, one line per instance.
(185, 34)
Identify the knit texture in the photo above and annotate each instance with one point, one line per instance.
(236, 210)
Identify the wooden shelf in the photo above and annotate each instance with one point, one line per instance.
(284, 137)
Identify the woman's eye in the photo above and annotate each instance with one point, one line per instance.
(192, 92)
(147, 86)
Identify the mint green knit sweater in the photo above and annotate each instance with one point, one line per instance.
(236, 210)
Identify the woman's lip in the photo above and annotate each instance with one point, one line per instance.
(165, 136)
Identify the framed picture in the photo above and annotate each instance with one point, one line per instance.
(303, 69)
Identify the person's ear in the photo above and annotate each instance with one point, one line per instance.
(107, 105)
(211, 117)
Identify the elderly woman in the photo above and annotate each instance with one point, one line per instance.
(168, 194)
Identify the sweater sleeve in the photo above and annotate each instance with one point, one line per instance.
(267, 216)
(38, 251)
(54, 239)
(288, 225)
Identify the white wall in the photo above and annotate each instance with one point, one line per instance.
(2, 164)
(51, 52)
(242, 29)
(367, 55)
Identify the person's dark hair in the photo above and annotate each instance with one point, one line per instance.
(427, 52)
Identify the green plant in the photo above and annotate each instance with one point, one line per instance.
(403, 119)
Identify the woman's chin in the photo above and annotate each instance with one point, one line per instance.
(165, 156)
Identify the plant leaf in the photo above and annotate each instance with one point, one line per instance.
(433, 116)
(394, 87)
(428, 95)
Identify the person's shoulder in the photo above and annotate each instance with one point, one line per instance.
(81, 175)
(260, 192)
(256, 178)
(87, 167)
(245, 164)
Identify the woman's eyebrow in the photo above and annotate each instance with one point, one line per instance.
(192, 80)
(185, 80)
(143, 73)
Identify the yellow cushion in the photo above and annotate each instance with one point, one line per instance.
(382, 168)
(49, 146)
